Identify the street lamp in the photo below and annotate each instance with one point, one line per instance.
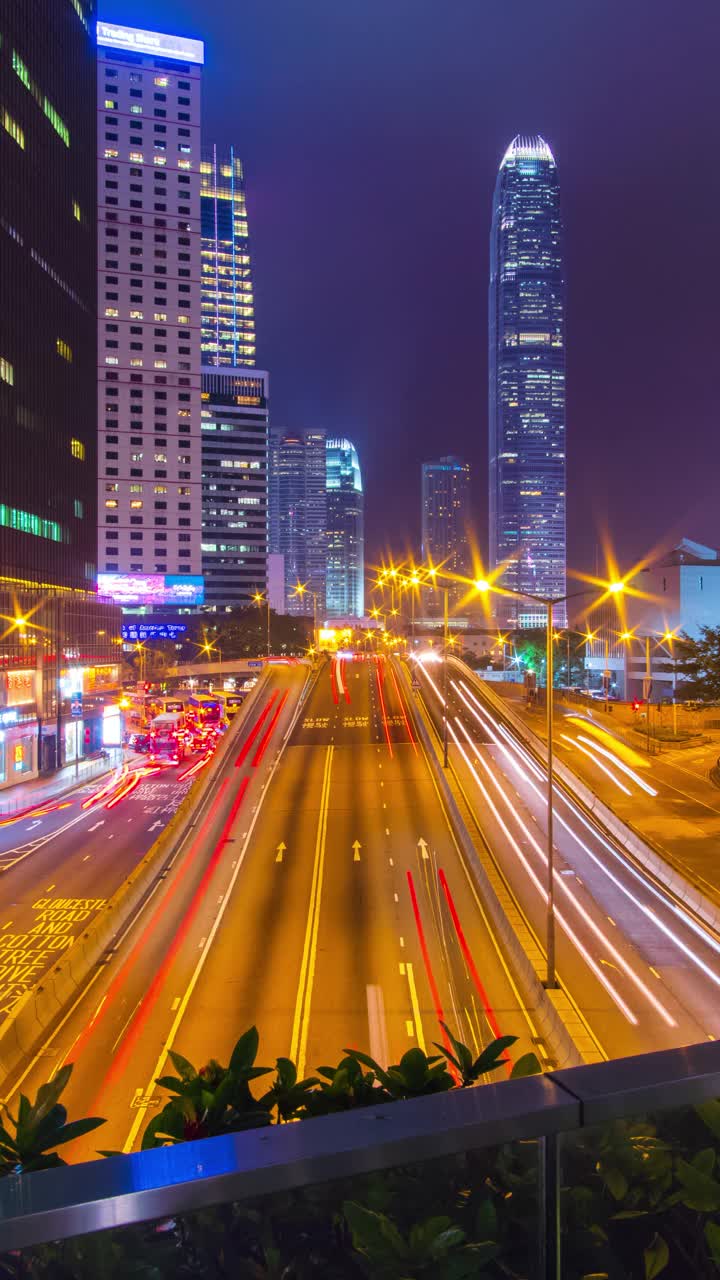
(300, 590)
(260, 598)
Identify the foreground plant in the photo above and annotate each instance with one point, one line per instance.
(39, 1127)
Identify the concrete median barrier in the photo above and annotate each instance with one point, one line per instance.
(550, 1026)
(39, 1009)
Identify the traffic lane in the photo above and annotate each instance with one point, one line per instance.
(54, 893)
(251, 974)
(325, 720)
(676, 947)
(646, 1013)
(129, 1009)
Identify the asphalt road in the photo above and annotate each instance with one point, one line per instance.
(322, 899)
(642, 969)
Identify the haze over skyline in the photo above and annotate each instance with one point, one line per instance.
(370, 161)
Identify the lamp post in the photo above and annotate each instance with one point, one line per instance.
(301, 589)
(260, 598)
(446, 626)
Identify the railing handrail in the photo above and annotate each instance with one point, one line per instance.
(60, 1203)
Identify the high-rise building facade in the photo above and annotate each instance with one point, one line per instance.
(148, 97)
(228, 308)
(234, 486)
(48, 477)
(446, 518)
(59, 640)
(345, 573)
(527, 380)
(297, 504)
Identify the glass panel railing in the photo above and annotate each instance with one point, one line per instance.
(468, 1215)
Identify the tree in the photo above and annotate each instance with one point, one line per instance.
(698, 664)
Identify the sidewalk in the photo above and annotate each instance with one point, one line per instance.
(26, 795)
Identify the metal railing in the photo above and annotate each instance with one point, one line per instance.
(57, 1205)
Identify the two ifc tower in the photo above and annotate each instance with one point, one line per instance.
(526, 334)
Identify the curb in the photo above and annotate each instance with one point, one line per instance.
(38, 1009)
(551, 1026)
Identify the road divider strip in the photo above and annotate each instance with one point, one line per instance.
(303, 1001)
(551, 1029)
(26, 1028)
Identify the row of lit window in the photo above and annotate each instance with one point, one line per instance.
(136, 77)
(27, 522)
(53, 116)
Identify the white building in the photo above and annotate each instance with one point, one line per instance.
(149, 437)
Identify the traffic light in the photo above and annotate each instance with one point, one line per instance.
(636, 704)
(87, 735)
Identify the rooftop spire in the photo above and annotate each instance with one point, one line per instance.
(526, 147)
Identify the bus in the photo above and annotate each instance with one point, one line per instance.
(206, 708)
(232, 703)
(168, 737)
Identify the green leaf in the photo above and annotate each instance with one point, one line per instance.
(615, 1181)
(245, 1051)
(486, 1220)
(704, 1160)
(656, 1256)
(76, 1129)
(185, 1069)
(709, 1113)
(712, 1236)
(374, 1234)
(700, 1192)
(527, 1065)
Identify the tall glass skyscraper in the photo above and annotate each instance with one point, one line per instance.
(297, 513)
(345, 579)
(228, 309)
(445, 495)
(527, 380)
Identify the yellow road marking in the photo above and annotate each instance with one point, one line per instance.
(301, 1019)
(415, 1005)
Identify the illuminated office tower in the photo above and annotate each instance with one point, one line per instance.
(345, 574)
(228, 311)
(527, 380)
(445, 520)
(148, 89)
(234, 486)
(297, 514)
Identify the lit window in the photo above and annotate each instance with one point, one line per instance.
(21, 70)
(136, 109)
(136, 362)
(136, 504)
(63, 349)
(13, 128)
(161, 457)
(77, 212)
(161, 364)
(136, 457)
(111, 360)
(110, 154)
(6, 371)
(112, 488)
(161, 315)
(26, 522)
(136, 315)
(110, 105)
(56, 121)
(137, 157)
(77, 449)
(159, 160)
(111, 311)
(136, 488)
(184, 164)
(111, 502)
(160, 488)
(184, 490)
(161, 81)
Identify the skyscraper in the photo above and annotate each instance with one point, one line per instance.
(228, 310)
(445, 494)
(345, 575)
(527, 379)
(58, 641)
(234, 485)
(297, 506)
(149, 310)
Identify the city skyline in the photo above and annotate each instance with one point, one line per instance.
(307, 222)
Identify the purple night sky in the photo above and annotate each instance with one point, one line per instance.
(371, 135)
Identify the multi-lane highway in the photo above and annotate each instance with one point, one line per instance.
(322, 898)
(642, 968)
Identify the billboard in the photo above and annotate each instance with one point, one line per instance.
(137, 632)
(151, 588)
(157, 43)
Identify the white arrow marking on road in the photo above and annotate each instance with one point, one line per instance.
(36, 823)
(101, 823)
(154, 825)
(280, 850)
(357, 847)
(422, 845)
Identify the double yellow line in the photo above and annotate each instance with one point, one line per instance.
(301, 1020)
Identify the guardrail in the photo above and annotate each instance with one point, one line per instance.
(40, 1007)
(659, 863)
(551, 1027)
(540, 1121)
